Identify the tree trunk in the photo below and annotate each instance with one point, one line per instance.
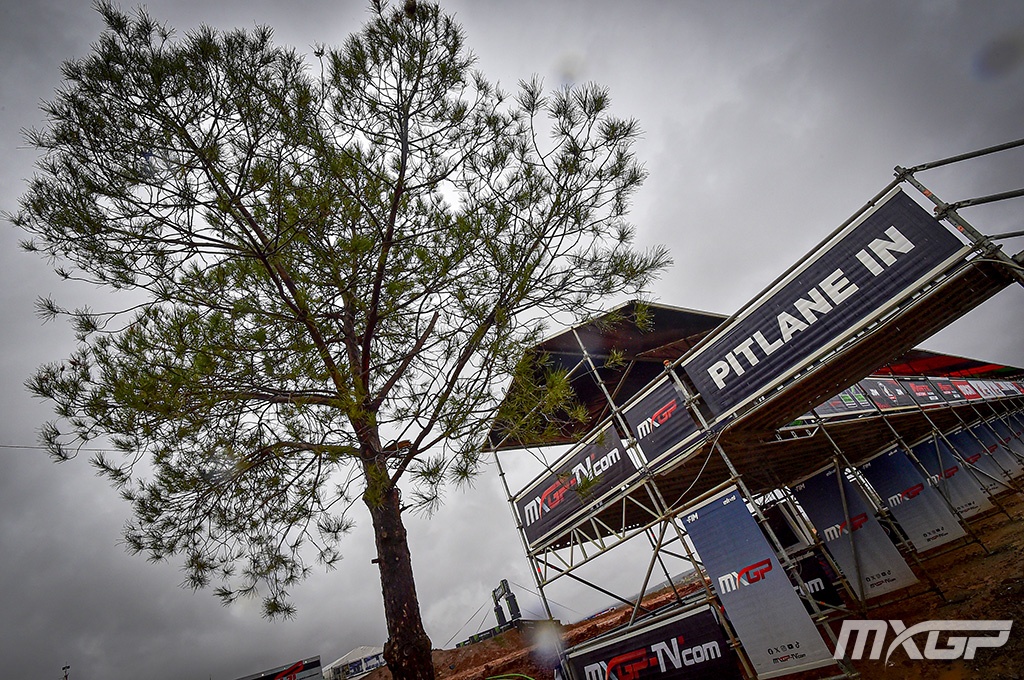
(407, 651)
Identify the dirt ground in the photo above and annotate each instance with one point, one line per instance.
(977, 585)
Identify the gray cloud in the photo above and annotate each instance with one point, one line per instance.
(766, 125)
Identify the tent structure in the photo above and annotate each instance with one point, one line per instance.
(584, 351)
(923, 362)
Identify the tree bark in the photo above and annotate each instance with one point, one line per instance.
(407, 651)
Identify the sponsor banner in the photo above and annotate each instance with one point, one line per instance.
(966, 389)
(690, 646)
(866, 269)
(948, 390)
(764, 610)
(922, 391)
(1015, 421)
(307, 669)
(998, 446)
(913, 501)
(887, 393)
(987, 389)
(849, 402)
(1008, 438)
(660, 421)
(582, 479)
(818, 581)
(948, 475)
(1007, 388)
(980, 456)
(858, 543)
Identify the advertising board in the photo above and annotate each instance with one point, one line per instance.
(765, 611)
(847, 283)
(859, 545)
(688, 646)
(920, 509)
(593, 469)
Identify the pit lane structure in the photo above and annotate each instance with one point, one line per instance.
(816, 377)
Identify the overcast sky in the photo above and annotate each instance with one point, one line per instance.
(766, 125)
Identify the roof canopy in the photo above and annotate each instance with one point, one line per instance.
(620, 351)
(611, 353)
(933, 364)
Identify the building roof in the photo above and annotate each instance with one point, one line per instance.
(355, 655)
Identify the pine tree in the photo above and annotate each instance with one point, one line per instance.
(333, 268)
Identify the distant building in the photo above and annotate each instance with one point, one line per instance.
(307, 669)
(355, 664)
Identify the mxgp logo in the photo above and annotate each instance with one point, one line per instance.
(745, 577)
(955, 647)
(945, 474)
(836, 530)
(554, 495)
(666, 656)
(657, 420)
(906, 495)
(549, 499)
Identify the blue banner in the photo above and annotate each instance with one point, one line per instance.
(1009, 439)
(845, 284)
(858, 543)
(918, 507)
(948, 475)
(1015, 421)
(688, 646)
(764, 610)
(660, 421)
(998, 447)
(970, 447)
(595, 468)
